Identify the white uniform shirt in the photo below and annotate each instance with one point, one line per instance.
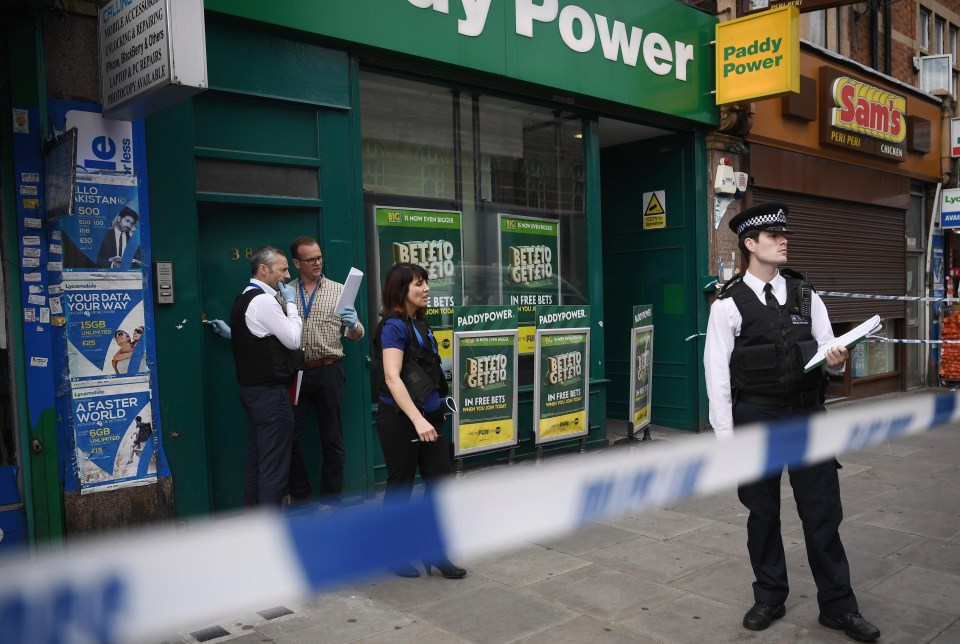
(724, 326)
(265, 318)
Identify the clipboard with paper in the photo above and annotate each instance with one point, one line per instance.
(351, 287)
(849, 339)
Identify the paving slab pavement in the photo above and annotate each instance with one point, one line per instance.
(676, 574)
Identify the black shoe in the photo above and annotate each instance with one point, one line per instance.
(853, 624)
(406, 570)
(447, 569)
(762, 615)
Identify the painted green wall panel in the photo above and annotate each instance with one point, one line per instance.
(178, 326)
(268, 65)
(281, 129)
(543, 58)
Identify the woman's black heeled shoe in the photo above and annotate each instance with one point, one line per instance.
(406, 570)
(446, 568)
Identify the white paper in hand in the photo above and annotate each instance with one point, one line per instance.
(349, 293)
(848, 339)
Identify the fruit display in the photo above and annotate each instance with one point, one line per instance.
(950, 352)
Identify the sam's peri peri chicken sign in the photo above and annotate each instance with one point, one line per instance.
(861, 117)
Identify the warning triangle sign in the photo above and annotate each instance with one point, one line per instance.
(654, 207)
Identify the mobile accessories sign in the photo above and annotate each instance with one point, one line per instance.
(485, 378)
(152, 54)
(758, 56)
(561, 373)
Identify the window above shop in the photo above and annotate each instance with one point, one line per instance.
(923, 29)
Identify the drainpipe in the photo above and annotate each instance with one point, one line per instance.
(874, 40)
(887, 40)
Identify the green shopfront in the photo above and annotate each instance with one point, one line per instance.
(328, 118)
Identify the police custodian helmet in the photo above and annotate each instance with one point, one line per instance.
(771, 217)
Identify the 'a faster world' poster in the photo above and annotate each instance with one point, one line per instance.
(115, 445)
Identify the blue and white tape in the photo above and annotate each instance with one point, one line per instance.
(149, 583)
(897, 298)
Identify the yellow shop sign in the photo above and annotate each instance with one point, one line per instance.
(758, 56)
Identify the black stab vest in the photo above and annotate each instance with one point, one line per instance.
(425, 356)
(773, 346)
(260, 361)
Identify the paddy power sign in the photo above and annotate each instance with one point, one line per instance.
(561, 373)
(758, 56)
(861, 117)
(485, 378)
(651, 54)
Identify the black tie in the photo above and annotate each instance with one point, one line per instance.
(768, 295)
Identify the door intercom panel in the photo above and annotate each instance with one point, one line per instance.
(163, 281)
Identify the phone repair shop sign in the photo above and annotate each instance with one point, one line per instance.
(758, 56)
(153, 54)
(950, 208)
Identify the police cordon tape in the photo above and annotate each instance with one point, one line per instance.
(869, 338)
(898, 298)
(871, 296)
(151, 582)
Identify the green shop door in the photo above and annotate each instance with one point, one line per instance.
(228, 235)
(655, 266)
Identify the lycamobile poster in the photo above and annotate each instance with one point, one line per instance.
(115, 445)
(485, 378)
(561, 373)
(430, 238)
(104, 324)
(530, 265)
(641, 368)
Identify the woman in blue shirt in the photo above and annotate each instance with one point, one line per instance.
(409, 384)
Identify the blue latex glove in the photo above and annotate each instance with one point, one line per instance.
(221, 328)
(349, 316)
(288, 293)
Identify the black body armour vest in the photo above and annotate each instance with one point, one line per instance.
(260, 361)
(426, 357)
(773, 346)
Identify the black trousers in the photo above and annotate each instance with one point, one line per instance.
(269, 441)
(816, 490)
(321, 390)
(404, 452)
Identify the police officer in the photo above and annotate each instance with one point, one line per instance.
(764, 327)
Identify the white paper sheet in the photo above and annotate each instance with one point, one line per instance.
(848, 339)
(350, 288)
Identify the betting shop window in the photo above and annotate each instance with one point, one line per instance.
(440, 147)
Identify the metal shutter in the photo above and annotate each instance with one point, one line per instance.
(849, 247)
